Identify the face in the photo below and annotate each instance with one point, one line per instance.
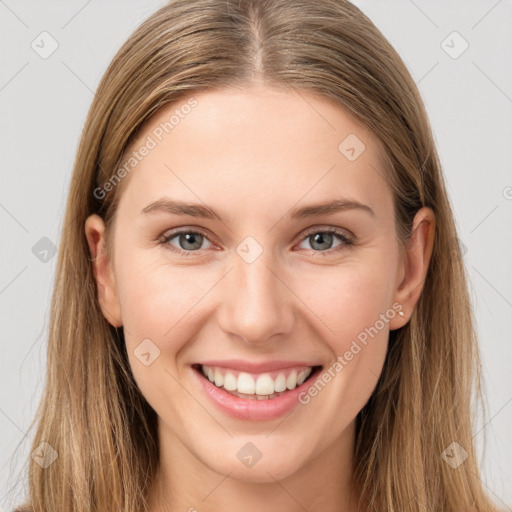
(255, 282)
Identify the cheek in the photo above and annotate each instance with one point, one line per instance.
(159, 300)
(353, 311)
(354, 306)
(351, 300)
(159, 303)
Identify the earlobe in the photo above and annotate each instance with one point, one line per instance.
(414, 268)
(102, 270)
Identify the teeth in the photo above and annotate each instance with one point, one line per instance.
(291, 381)
(230, 382)
(246, 384)
(302, 377)
(219, 379)
(256, 397)
(263, 387)
(280, 383)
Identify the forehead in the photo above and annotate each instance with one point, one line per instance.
(256, 147)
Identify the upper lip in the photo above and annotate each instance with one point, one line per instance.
(251, 367)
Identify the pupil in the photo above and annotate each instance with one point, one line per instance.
(190, 238)
(320, 237)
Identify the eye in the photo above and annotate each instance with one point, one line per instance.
(322, 240)
(188, 241)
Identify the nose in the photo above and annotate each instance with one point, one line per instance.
(257, 304)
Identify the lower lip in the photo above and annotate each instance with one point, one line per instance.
(254, 409)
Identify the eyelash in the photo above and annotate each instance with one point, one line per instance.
(347, 241)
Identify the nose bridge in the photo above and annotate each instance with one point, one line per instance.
(256, 305)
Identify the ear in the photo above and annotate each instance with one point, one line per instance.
(102, 268)
(414, 266)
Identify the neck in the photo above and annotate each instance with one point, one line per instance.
(183, 482)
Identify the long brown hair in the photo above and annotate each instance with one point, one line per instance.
(92, 412)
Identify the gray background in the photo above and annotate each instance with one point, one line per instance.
(44, 102)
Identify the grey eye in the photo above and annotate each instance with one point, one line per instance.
(187, 240)
(323, 240)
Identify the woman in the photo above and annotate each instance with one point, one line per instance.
(203, 355)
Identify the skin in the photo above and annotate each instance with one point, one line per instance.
(252, 155)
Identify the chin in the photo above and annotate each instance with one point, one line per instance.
(274, 462)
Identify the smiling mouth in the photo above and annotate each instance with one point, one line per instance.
(264, 386)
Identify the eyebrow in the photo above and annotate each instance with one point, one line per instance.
(198, 210)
